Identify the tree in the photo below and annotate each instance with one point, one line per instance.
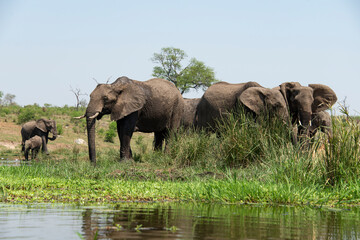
(1, 95)
(77, 93)
(9, 99)
(195, 75)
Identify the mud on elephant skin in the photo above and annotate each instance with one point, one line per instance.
(41, 128)
(33, 144)
(217, 101)
(155, 106)
(304, 101)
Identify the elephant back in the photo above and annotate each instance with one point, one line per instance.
(218, 100)
(163, 107)
(27, 130)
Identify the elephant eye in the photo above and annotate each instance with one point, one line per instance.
(105, 98)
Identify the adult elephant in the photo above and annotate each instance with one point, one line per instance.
(218, 100)
(42, 128)
(155, 106)
(188, 117)
(304, 101)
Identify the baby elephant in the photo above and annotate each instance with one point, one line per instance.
(34, 145)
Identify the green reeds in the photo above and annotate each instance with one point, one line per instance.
(342, 151)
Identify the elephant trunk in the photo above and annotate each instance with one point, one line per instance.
(304, 128)
(54, 133)
(90, 123)
(93, 113)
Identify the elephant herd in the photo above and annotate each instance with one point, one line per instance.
(157, 106)
(35, 134)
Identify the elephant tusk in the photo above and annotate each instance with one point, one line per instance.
(94, 116)
(80, 117)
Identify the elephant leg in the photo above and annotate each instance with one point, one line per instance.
(26, 154)
(125, 128)
(35, 151)
(159, 139)
(44, 148)
(23, 143)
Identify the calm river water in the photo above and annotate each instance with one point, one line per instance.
(176, 221)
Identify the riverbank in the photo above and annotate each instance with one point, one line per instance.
(248, 162)
(111, 182)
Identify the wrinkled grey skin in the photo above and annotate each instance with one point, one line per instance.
(155, 106)
(188, 117)
(321, 121)
(259, 100)
(218, 100)
(304, 101)
(34, 145)
(41, 128)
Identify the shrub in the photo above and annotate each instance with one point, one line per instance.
(60, 129)
(28, 113)
(111, 132)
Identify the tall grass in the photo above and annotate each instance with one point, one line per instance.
(240, 140)
(262, 149)
(342, 152)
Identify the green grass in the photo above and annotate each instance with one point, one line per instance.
(247, 161)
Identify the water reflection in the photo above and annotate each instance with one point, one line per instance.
(13, 162)
(176, 221)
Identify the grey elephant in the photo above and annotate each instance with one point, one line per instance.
(33, 144)
(304, 101)
(218, 100)
(321, 121)
(188, 117)
(41, 128)
(155, 106)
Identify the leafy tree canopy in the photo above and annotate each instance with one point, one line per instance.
(195, 75)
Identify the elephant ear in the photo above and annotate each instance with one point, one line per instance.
(40, 124)
(253, 98)
(259, 99)
(285, 89)
(324, 97)
(131, 98)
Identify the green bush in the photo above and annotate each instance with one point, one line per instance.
(60, 129)
(111, 132)
(28, 113)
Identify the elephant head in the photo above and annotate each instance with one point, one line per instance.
(47, 126)
(303, 101)
(119, 99)
(259, 99)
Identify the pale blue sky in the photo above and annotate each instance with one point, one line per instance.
(46, 46)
